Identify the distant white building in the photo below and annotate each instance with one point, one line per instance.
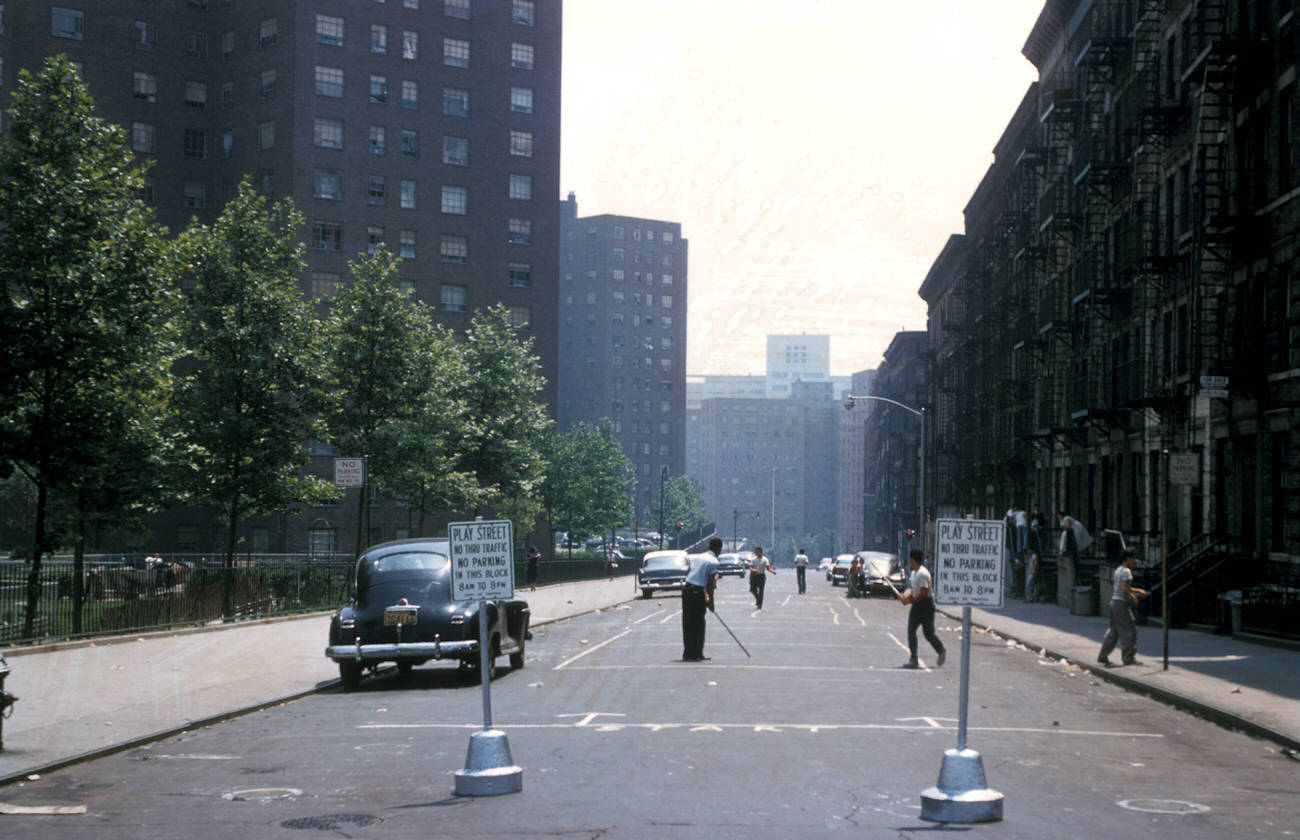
(796, 358)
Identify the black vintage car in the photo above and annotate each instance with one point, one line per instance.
(881, 574)
(735, 563)
(662, 570)
(402, 612)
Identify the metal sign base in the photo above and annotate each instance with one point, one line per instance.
(489, 769)
(962, 794)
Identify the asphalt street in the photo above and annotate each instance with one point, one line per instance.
(820, 733)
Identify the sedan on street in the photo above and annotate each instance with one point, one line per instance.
(662, 571)
(734, 563)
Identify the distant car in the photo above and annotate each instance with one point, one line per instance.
(879, 571)
(734, 563)
(840, 571)
(403, 612)
(825, 566)
(662, 571)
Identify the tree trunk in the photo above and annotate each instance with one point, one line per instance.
(228, 564)
(79, 576)
(34, 574)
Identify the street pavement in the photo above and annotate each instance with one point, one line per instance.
(82, 699)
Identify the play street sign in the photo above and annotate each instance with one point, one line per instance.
(482, 560)
(968, 562)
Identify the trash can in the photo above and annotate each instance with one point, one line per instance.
(1084, 601)
(1230, 611)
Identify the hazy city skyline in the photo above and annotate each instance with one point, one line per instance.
(817, 156)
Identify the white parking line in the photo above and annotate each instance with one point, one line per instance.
(589, 723)
(924, 667)
(592, 649)
(671, 616)
(648, 617)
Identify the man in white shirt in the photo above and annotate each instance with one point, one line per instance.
(758, 572)
(1123, 629)
(697, 596)
(922, 612)
(801, 570)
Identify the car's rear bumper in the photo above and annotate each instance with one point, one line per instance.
(661, 584)
(404, 651)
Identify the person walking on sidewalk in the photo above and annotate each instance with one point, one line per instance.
(758, 573)
(1122, 630)
(922, 612)
(530, 569)
(697, 596)
(801, 570)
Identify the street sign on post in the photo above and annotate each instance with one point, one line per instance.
(968, 562)
(349, 472)
(482, 560)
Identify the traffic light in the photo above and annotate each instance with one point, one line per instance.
(679, 526)
(910, 533)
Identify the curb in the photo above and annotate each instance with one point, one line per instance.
(1221, 717)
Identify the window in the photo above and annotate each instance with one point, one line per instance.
(668, 259)
(521, 275)
(266, 135)
(451, 297)
(524, 13)
(407, 287)
(266, 84)
(406, 244)
(521, 143)
(410, 4)
(406, 194)
(410, 143)
(145, 36)
(195, 195)
(521, 56)
(410, 94)
(455, 52)
(521, 100)
(67, 23)
(227, 94)
(666, 279)
(227, 142)
(378, 38)
(619, 255)
(376, 190)
(146, 191)
(520, 232)
(328, 184)
(666, 301)
(329, 30)
(619, 275)
(227, 45)
(145, 87)
(455, 200)
(455, 151)
(196, 143)
(455, 102)
(266, 183)
(324, 284)
(378, 144)
(329, 81)
(410, 45)
(521, 187)
(327, 236)
(666, 322)
(456, 8)
(453, 249)
(196, 44)
(327, 133)
(668, 237)
(521, 317)
(267, 31)
(374, 239)
(378, 89)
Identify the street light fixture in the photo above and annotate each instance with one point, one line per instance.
(920, 487)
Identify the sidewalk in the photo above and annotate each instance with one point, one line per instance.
(1234, 682)
(82, 698)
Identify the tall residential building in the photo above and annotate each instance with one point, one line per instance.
(893, 446)
(622, 332)
(432, 126)
(700, 388)
(796, 358)
(850, 516)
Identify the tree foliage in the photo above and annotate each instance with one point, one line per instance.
(589, 480)
(87, 314)
(682, 500)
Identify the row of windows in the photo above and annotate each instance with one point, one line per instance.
(665, 406)
(619, 255)
(452, 297)
(617, 319)
(636, 299)
(331, 31)
(621, 233)
(453, 249)
(620, 276)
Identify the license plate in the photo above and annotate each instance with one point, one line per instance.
(400, 615)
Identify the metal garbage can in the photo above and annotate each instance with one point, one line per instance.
(1084, 601)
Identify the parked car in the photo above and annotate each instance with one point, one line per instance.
(734, 563)
(402, 612)
(825, 566)
(662, 571)
(879, 571)
(840, 571)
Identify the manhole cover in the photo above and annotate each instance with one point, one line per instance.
(261, 794)
(1163, 806)
(330, 822)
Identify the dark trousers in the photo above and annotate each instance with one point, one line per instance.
(801, 574)
(757, 580)
(692, 622)
(922, 615)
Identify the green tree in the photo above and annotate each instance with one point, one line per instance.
(589, 479)
(252, 394)
(681, 501)
(376, 335)
(87, 313)
(503, 435)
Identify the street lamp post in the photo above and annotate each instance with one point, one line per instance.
(663, 475)
(920, 413)
(771, 546)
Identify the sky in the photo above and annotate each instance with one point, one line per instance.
(818, 153)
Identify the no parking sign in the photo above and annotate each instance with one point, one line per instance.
(968, 562)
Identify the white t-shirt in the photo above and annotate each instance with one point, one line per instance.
(1122, 573)
(919, 580)
(1022, 519)
(801, 559)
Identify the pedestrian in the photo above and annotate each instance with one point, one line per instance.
(1074, 538)
(611, 561)
(1037, 525)
(697, 596)
(758, 572)
(1122, 630)
(530, 569)
(801, 570)
(921, 613)
(1031, 571)
(1022, 530)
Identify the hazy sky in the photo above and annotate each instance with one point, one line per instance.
(818, 153)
